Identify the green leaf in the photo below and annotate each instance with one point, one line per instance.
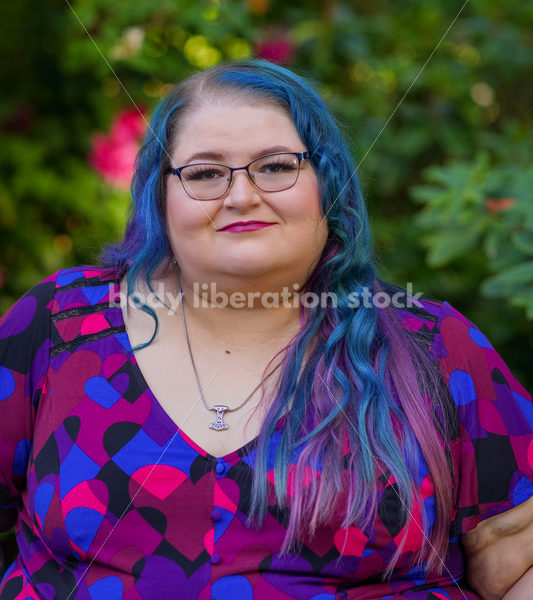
(523, 241)
(517, 277)
(448, 245)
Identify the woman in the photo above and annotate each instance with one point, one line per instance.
(279, 433)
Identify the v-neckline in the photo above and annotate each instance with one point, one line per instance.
(230, 457)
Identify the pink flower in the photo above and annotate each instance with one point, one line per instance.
(278, 50)
(113, 156)
(128, 124)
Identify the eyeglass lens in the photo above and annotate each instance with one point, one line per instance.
(272, 173)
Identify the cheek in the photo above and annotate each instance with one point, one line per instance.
(308, 226)
(178, 214)
(186, 215)
(315, 217)
(310, 200)
(180, 227)
(306, 208)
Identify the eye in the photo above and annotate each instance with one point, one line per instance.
(277, 165)
(203, 173)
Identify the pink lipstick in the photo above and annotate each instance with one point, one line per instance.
(244, 226)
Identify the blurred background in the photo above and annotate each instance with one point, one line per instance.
(449, 181)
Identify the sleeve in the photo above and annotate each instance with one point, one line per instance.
(492, 452)
(24, 351)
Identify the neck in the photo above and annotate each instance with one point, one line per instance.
(240, 319)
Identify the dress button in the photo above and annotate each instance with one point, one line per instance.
(220, 468)
(215, 559)
(216, 515)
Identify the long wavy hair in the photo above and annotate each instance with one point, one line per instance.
(365, 401)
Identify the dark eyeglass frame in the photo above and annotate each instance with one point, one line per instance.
(299, 155)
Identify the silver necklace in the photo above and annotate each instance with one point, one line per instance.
(220, 409)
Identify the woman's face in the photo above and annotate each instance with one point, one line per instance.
(281, 252)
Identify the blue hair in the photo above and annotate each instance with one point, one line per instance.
(364, 398)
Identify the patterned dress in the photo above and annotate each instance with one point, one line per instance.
(111, 501)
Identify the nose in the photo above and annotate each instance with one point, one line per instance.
(242, 193)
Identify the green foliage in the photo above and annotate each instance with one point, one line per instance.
(482, 204)
(457, 138)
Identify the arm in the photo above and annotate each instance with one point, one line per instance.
(24, 342)
(521, 590)
(500, 555)
(493, 466)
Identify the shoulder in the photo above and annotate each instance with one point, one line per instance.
(29, 317)
(449, 330)
(467, 358)
(482, 386)
(83, 306)
(74, 277)
(464, 354)
(84, 276)
(83, 285)
(417, 316)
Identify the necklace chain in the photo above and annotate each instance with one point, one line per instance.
(220, 409)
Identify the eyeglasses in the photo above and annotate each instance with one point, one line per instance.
(270, 173)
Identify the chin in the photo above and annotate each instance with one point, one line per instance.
(251, 266)
(252, 273)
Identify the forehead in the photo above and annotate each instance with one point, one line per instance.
(235, 130)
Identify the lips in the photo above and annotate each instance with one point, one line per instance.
(243, 226)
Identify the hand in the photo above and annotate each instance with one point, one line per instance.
(499, 552)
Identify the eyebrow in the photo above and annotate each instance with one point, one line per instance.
(219, 157)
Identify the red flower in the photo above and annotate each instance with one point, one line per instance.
(495, 205)
(113, 156)
(258, 7)
(278, 50)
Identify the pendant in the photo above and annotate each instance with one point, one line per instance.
(219, 424)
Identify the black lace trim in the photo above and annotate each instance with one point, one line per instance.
(85, 339)
(81, 310)
(86, 282)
